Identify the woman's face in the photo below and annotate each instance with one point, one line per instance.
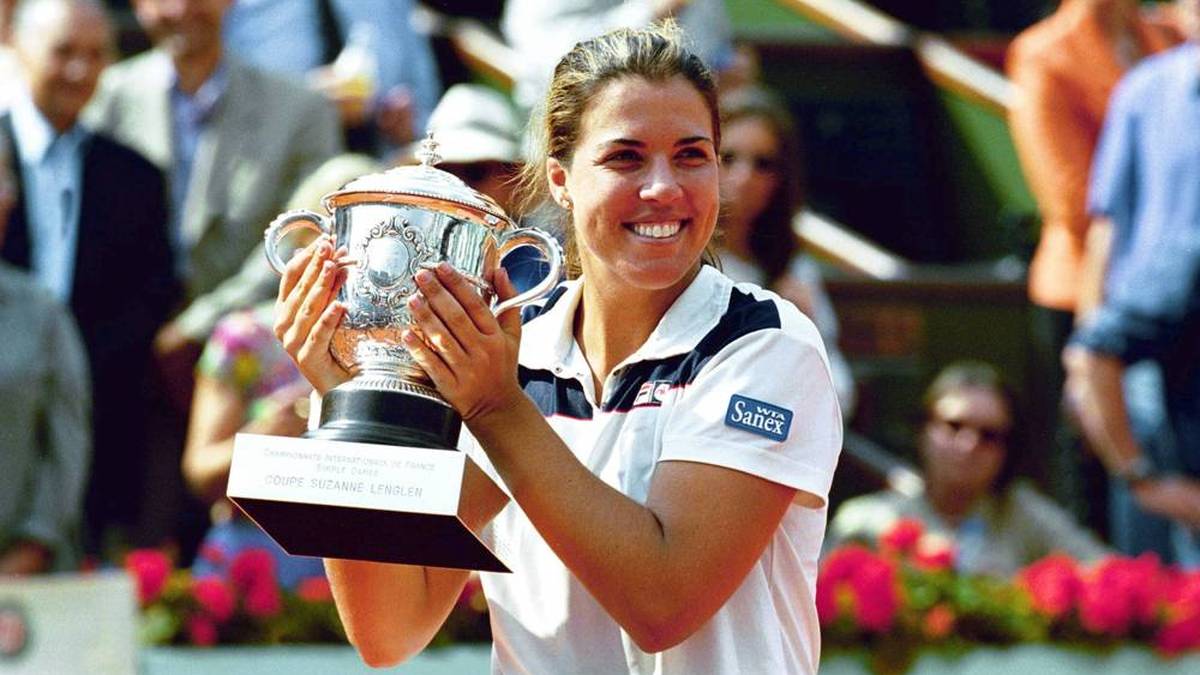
(642, 184)
(966, 440)
(749, 169)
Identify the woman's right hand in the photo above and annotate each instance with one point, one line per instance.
(306, 313)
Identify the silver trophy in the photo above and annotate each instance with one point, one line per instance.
(394, 224)
(358, 500)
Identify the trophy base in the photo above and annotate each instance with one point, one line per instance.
(387, 418)
(370, 534)
(359, 501)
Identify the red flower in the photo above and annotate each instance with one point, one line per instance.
(315, 589)
(1179, 635)
(251, 568)
(214, 597)
(876, 597)
(933, 553)
(1181, 625)
(202, 631)
(939, 621)
(1053, 584)
(867, 580)
(263, 600)
(902, 537)
(837, 568)
(1121, 592)
(150, 568)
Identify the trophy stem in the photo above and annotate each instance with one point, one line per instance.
(387, 418)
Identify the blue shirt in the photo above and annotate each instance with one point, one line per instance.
(1146, 173)
(190, 114)
(281, 36)
(52, 181)
(1146, 179)
(284, 36)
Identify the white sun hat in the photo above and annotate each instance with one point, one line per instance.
(474, 123)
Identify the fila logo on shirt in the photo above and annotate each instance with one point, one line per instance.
(758, 417)
(652, 393)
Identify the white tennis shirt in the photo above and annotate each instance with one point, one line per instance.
(732, 376)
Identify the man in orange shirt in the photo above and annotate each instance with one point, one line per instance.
(1063, 69)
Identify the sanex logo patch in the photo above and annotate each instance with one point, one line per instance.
(759, 418)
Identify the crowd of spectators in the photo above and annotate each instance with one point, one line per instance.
(134, 293)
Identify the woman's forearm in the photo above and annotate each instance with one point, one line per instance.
(391, 612)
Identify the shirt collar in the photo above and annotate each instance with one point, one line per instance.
(202, 103)
(549, 338)
(33, 133)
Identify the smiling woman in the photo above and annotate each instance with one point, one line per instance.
(648, 378)
(643, 190)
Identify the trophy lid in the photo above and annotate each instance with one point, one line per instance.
(424, 182)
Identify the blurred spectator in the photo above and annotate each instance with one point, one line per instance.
(234, 142)
(1134, 365)
(90, 222)
(378, 69)
(761, 192)
(10, 74)
(247, 383)
(541, 31)
(479, 137)
(1063, 70)
(45, 439)
(995, 524)
(479, 140)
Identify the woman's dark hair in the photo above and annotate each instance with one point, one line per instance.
(980, 375)
(772, 240)
(656, 54)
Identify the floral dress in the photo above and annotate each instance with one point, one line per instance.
(244, 354)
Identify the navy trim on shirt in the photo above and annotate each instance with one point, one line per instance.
(745, 315)
(565, 397)
(533, 311)
(554, 395)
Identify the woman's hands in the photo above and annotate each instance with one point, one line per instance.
(470, 354)
(306, 314)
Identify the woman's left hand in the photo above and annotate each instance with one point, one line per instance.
(470, 354)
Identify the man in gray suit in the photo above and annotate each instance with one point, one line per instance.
(234, 142)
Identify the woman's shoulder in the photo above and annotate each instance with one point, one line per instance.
(753, 305)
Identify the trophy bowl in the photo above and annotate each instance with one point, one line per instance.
(394, 224)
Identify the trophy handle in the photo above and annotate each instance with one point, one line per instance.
(286, 224)
(530, 236)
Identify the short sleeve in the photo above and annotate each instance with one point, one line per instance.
(1120, 331)
(764, 405)
(1133, 324)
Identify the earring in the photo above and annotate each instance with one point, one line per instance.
(566, 203)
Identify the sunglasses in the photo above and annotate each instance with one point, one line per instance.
(474, 172)
(764, 164)
(988, 435)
